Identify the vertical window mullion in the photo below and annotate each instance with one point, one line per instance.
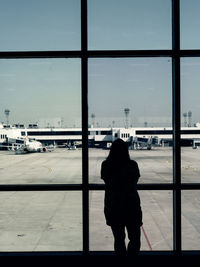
(85, 158)
(176, 125)
(84, 79)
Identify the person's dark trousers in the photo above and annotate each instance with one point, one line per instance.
(119, 239)
(134, 234)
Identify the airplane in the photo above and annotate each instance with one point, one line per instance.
(33, 146)
(29, 146)
(142, 142)
(71, 145)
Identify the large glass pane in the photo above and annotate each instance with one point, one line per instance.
(190, 123)
(157, 229)
(191, 220)
(190, 24)
(39, 25)
(129, 24)
(41, 112)
(130, 98)
(40, 221)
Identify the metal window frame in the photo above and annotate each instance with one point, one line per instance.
(176, 186)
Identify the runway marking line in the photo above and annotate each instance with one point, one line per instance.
(146, 237)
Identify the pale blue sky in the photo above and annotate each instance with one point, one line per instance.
(190, 24)
(141, 84)
(39, 88)
(39, 25)
(129, 24)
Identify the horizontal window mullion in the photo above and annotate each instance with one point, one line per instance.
(130, 53)
(185, 186)
(189, 53)
(41, 187)
(143, 53)
(79, 54)
(40, 54)
(190, 186)
(80, 187)
(99, 53)
(139, 187)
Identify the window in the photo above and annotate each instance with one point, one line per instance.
(157, 231)
(69, 58)
(44, 222)
(135, 83)
(47, 91)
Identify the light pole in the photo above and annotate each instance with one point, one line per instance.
(185, 119)
(126, 112)
(93, 119)
(7, 112)
(189, 118)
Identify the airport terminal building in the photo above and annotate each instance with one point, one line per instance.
(99, 137)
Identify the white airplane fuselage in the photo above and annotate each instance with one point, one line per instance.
(34, 146)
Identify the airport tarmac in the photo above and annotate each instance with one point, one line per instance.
(52, 221)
